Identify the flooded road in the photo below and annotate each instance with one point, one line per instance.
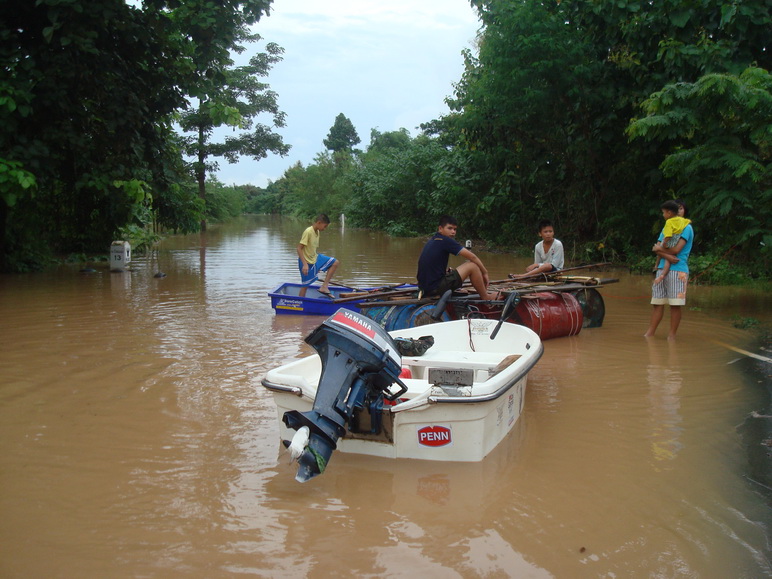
(137, 441)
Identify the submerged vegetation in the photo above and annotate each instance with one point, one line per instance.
(589, 113)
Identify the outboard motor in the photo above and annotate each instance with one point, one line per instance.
(359, 363)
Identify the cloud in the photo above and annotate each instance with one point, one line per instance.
(385, 65)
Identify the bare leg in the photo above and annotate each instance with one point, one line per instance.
(675, 320)
(656, 318)
(661, 277)
(471, 271)
(330, 272)
(302, 292)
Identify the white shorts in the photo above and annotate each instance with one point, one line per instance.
(672, 290)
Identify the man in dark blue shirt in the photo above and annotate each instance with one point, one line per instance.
(434, 277)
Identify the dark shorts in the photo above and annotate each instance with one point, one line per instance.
(451, 281)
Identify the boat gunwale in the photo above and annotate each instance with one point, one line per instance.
(434, 399)
(296, 390)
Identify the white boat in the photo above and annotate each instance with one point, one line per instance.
(455, 402)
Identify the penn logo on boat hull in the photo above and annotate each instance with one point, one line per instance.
(435, 436)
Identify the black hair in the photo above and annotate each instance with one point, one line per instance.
(323, 218)
(670, 206)
(682, 203)
(448, 220)
(545, 223)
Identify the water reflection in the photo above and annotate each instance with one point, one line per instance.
(419, 516)
(665, 381)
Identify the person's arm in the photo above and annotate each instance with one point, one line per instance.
(669, 253)
(539, 259)
(302, 256)
(533, 269)
(466, 254)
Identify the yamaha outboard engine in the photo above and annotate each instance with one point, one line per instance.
(359, 363)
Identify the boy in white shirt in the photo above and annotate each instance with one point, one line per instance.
(547, 255)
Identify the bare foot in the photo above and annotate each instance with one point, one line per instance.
(648, 335)
(659, 279)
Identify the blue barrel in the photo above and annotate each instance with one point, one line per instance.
(421, 316)
(403, 316)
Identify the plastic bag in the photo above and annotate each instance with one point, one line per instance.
(414, 346)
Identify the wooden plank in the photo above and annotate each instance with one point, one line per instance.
(379, 294)
(504, 364)
(535, 280)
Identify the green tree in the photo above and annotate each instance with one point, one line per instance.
(235, 99)
(394, 189)
(380, 142)
(322, 187)
(722, 127)
(533, 113)
(342, 136)
(88, 91)
(542, 109)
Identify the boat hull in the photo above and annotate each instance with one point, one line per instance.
(286, 299)
(433, 432)
(431, 422)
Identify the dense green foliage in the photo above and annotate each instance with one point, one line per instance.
(589, 113)
(723, 124)
(89, 92)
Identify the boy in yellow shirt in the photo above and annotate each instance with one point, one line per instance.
(311, 263)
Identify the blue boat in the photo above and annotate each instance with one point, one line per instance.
(286, 298)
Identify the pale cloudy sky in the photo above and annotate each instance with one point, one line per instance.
(385, 64)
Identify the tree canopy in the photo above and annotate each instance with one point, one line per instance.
(587, 112)
(235, 98)
(342, 136)
(88, 94)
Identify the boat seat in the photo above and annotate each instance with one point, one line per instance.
(455, 360)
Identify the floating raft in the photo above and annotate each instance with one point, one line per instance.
(553, 306)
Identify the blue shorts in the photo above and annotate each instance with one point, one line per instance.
(323, 263)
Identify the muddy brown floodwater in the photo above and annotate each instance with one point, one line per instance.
(137, 441)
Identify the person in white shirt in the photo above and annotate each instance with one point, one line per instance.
(547, 255)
